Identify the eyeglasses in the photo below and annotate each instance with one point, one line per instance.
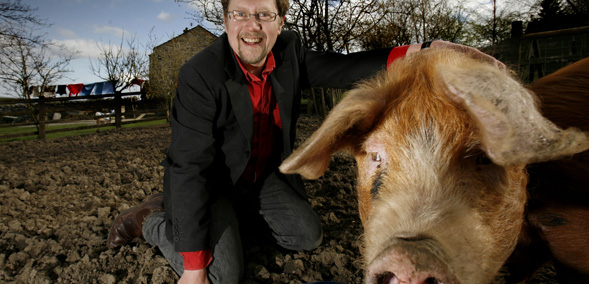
(241, 16)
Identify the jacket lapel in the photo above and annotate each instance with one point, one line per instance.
(282, 82)
(240, 98)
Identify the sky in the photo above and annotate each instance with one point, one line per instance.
(82, 25)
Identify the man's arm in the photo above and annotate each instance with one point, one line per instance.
(333, 70)
(459, 47)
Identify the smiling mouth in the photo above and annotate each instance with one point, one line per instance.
(251, 40)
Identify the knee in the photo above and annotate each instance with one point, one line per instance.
(227, 278)
(306, 239)
(226, 273)
(312, 241)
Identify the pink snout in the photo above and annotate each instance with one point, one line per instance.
(409, 263)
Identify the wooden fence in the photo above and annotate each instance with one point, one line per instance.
(94, 111)
(536, 55)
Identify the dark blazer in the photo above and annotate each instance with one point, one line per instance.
(212, 123)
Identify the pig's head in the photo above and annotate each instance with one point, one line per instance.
(441, 143)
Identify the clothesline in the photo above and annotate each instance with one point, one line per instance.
(79, 89)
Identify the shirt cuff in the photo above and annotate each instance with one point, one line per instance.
(196, 260)
(397, 53)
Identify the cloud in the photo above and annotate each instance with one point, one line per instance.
(85, 47)
(66, 32)
(116, 31)
(166, 17)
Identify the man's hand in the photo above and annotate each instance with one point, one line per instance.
(194, 277)
(459, 47)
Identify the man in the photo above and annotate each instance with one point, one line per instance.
(233, 122)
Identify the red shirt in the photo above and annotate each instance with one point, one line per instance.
(266, 122)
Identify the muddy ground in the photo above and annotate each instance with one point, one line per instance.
(58, 199)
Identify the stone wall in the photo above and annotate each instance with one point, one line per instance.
(167, 58)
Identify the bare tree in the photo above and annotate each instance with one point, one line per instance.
(16, 19)
(25, 63)
(206, 10)
(411, 21)
(577, 6)
(52, 63)
(27, 58)
(119, 65)
(328, 25)
(17, 69)
(491, 24)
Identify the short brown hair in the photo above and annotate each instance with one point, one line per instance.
(282, 6)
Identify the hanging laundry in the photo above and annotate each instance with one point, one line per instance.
(97, 90)
(103, 88)
(107, 89)
(34, 91)
(30, 91)
(87, 90)
(138, 82)
(49, 91)
(75, 89)
(61, 89)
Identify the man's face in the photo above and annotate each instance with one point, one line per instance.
(252, 40)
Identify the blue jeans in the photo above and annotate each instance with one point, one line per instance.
(289, 217)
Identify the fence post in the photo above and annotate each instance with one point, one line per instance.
(42, 117)
(118, 106)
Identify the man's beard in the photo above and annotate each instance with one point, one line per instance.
(252, 59)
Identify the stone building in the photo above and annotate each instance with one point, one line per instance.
(167, 58)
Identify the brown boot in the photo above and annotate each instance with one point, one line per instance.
(128, 225)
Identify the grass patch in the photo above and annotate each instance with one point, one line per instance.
(25, 129)
(146, 123)
(16, 130)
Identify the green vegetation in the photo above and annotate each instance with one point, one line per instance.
(16, 130)
(24, 129)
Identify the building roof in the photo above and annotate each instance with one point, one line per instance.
(185, 32)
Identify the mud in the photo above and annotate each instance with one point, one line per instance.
(58, 199)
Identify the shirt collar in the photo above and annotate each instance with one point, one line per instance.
(268, 68)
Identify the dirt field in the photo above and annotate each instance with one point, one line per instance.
(58, 199)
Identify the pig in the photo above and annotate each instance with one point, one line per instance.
(442, 143)
(556, 223)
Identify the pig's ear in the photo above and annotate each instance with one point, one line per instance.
(512, 129)
(343, 129)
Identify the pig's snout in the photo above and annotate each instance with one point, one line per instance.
(393, 279)
(409, 263)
